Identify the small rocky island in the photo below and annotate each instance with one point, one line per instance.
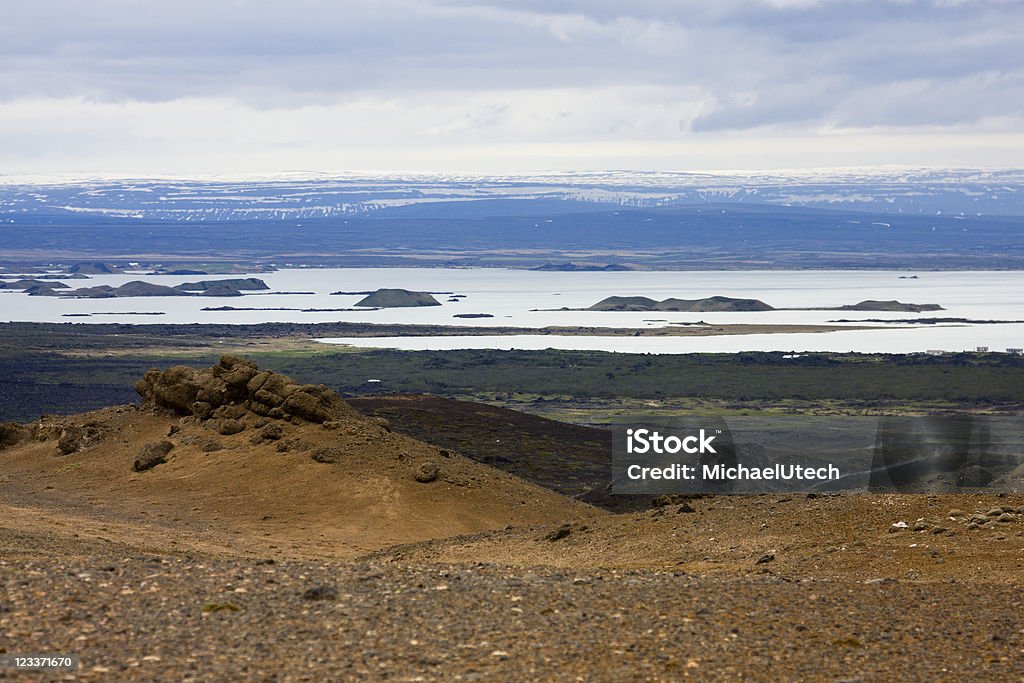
(898, 306)
(709, 304)
(725, 304)
(397, 298)
(231, 287)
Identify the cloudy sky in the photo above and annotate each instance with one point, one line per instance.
(248, 86)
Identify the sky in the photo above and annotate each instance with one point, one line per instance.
(201, 87)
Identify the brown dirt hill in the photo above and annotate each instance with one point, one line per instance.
(309, 477)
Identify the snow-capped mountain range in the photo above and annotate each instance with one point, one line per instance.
(292, 196)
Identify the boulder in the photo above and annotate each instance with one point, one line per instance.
(152, 454)
(427, 472)
(74, 438)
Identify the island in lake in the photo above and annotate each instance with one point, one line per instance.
(720, 304)
(711, 303)
(397, 298)
(231, 287)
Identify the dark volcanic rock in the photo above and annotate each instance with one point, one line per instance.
(152, 454)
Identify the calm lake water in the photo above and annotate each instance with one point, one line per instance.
(509, 295)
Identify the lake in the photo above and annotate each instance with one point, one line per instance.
(509, 295)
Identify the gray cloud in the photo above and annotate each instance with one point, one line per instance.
(642, 69)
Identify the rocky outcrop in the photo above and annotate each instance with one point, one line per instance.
(234, 388)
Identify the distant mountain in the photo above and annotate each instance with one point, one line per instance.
(561, 222)
(581, 267)
(929, 192)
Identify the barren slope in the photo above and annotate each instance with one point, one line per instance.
(290, 487)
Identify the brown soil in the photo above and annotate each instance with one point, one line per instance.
(251, 564)
(280, 503)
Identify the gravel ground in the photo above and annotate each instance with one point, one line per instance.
(151, 618)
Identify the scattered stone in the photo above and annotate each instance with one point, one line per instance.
(978, 518)
(920, 525)
(321, 593)
(956, 513)
(1005, 517)
(173, 429)
(427, 472)
(994, 512)
(152, 454)
(973, 525)
(685, 508)
(939, 530)
(559, 533)
(212, 446)
(327, 455)
(898, 526)
(766, 558)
